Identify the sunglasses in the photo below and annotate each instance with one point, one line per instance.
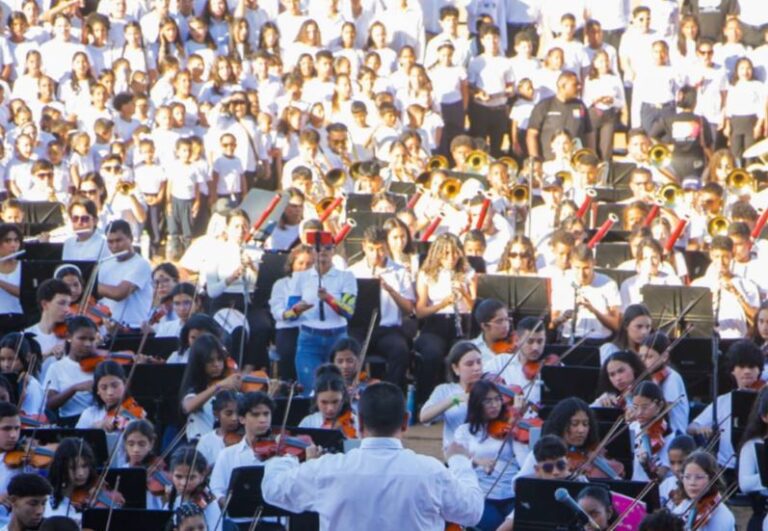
(111, 168)
(707, 52)
(228, 144)
(89, 192)
(517, 255)
(560, 464)
(81, 219)
(44, 174)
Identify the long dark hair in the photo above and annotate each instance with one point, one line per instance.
(756, 426)
(105, 368)
(145, 428)
(199, 321)
(188, 456)
(207, 348)
(328, 378)
(604, 384)
(559, 420)
(475, 412)
(632, 312)
(64, 459)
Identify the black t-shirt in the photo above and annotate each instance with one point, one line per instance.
(550, 115)
(711, 15)
(685, 130)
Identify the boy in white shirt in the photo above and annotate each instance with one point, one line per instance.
(228, 174)
(184, 193)
(151, 181)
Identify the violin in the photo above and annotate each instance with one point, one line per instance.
(532, 369)
(158, 479)
(601, 466)
(124, 413)
(90, 362)
(203, 498)
(33, 421)
(660, 375)
(703, 510)
(82, 498)
(344, 422)
(30, 453)
(233, 437)
(355, 390)
(511, 425)
(157, 314)
(655, 433)
(757, 385)
(60, 330)
(267, 447)
(98, 313)
(504, 346)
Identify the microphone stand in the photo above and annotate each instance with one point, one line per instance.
(715, 354)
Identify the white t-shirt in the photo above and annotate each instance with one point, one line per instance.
(8, 302)
(149, 178)
(94, 248)
(454, 416)
(134, 309)
(230, 171)
(602, 293)
(64, 374)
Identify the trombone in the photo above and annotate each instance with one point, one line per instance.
(660, 155)
(437, 162)
(519, 195)
(670, 195)
(449, 189)
(740, 182)
(477, 161)
(718, 226)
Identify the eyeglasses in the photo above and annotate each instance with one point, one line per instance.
(111, 168)
(549, 467)
(89, 192)
(517, 255)
(228, 144)
(707, 52)
(491, 400)
(81, 219)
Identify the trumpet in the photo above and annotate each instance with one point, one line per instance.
(438, 162)
(512, 166)
(577, 157)
(449, 189)
(670, 195)
(325, 203)
(718, 226)
(125, 187)
(356, 170)
(660, 155)
(477, 161)
(424, 179)
(334, 178)
(740, 182)
(520, 194)
(566, 178)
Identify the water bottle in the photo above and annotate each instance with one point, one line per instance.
(411, 404)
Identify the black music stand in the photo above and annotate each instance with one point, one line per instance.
(741, 405)
(271, 268)
(620, 448)
(697, 263)
(133, 485)
(245, 486)
(157, 389)
(689, 305)
(582, 356)
(402, 188)
(49, 213)
(692, 358)
(617, 275)
(633, 490)
(611, 195)
(97, 439)
(43, 251)
(34, 273)
(125, 519)
(30, 230)
(160, 347)
(299, 409)
(761, 451)
(618, 174)
(559, 383)
(363, 203)
(524, 296)
(612, 254)
(368, 299)
(604, 210)
(329, 440)
(363, 220)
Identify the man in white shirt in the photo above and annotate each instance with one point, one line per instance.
(347, 489)
(735, 300)
(87, 243)
(397, 299)
(635, 47)
(125, 281)
(592, 296)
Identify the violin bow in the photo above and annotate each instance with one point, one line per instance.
(256, 518)
(716, 435)
(23, 388)
(660, 416)
(28, 451)
(285, 415)
(135, 363)
(17, 350)
(161, 458)
(712, 482)
(112, 506)
(366, 344)
(224, 509)
(616, 428)
(729, 491)
(189, 472)
(637, 499)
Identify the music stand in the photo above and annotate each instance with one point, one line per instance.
(604, 210)
(611, 254)
(368, 299)
(331, 440)
(126, 519)
(43, 251)
(157, 388)
(133, 485)
(364, 220)
(611, 195)
(524, 296)
(620, 448)
(689, 305)
(697, 263)
(741, 405)
(34, 273)
(617, 275)
(160, 347)
(559, 383)
(97, 439)
(363, 203)
(633, 490)
(271, 268)
(49, 213)
(402, 188)
(692, 358)
(618, 174)
(582, 356)
(31, 230)
(299, 409)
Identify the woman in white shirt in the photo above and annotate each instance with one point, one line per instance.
(307, 41)
(493, 456)
(745, 108)
(11, 315)
(698, 471)
(300, 258)
(755, 434)
(604, 96)
(75, 89)
(446, 287)
(378, 42)
(683, 47)
(346, 47)
(448, 401)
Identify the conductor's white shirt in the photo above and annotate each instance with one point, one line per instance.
(350, 489)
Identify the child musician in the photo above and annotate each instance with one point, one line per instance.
(331, 402)
(702, 507)
(653, 352)
(189, 474)
(650, 432)
(228, 431)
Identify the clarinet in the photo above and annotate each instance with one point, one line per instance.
(575, 316)
(457, 315)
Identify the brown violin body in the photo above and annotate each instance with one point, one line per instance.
(30, 453)
(127, 411)
(344, 422)
(601, 467)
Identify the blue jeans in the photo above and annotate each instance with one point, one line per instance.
(494, 513)
(312, 350)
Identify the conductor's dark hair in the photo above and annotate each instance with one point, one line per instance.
(28, 485)
(382, 409)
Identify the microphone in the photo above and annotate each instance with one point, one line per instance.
(562, 496)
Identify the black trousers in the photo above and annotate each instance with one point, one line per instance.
(433, 343)
(391, 343)
(742, 134)
(260, 324)
(285, 342)
(603, 126)
(490, 122)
